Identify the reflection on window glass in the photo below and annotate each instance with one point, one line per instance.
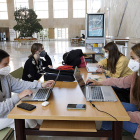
(60, 8)
(21, 3)
(93, 6)
(78, 8)
(41, 8)
(3, 10)
(61, 33)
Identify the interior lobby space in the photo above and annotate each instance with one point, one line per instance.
(19, 54)
(56, 28)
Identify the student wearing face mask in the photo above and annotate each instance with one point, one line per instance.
(10, 84)
(115, 63)
(133, 82)
(36, 64)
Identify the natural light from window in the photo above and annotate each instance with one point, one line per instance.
(60, 8)
(79, 8)
(93, 6)
(3, 10)
(21, 3)
(61, 33)
(41, 8)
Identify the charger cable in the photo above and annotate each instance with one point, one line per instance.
(112, 117)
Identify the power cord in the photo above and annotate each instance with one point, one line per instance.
(112, 117)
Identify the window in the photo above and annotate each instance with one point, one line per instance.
(21, 3)
(61, 33)
(93, 6)
(3, 9)
(60, 8)
(79, 9)
(41, 8)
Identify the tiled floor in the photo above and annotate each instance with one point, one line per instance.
(19, 54)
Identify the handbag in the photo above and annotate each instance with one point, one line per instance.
(83, 62)
(65, 75)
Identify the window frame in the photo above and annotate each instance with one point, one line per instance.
(41, 10)
(4, 11)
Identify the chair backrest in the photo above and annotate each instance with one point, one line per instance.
(17, 73)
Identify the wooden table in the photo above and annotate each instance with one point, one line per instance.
(76, 39)
(84, 50)
(63, 94)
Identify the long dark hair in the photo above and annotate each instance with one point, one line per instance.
(3, 54)
(136, 88)
(35, 47)
(114, 56)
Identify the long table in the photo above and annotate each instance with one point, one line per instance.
(63, 94)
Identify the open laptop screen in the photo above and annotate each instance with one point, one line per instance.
(80, 81)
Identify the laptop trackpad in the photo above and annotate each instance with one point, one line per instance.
(106, 93)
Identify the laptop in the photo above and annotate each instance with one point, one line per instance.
(90, 69)
(41, 94)
(95, 93)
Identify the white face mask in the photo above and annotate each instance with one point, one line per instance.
(106, 55)
(5, 70)
(133, 65)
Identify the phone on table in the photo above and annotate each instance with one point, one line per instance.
(76, 106)
(96, 73)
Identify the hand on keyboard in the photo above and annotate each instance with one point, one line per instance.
(93, 82)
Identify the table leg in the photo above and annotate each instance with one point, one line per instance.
(93, 58)
(117, 130)
(20, 129)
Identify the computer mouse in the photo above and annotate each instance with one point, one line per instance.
(89, 83)
(45, 103)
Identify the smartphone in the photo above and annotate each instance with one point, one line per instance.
(76, 106)
(96, 73)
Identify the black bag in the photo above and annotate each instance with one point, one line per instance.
(65, 75)
(72, 58)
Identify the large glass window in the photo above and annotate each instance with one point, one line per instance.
(21, 3)
(61, 33)
(79, 8)
(60, 8)
(3, 10)
(93, 6)
(41, 8)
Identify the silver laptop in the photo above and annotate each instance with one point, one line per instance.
(90, 69)
(95, 93)
(41, 94)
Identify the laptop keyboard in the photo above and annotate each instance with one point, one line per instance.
(41, 94)
(97, 93)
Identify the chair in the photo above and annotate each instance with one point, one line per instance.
(17, 73)
(6, 134)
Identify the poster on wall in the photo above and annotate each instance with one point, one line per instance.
(12, 34)
(95, 25)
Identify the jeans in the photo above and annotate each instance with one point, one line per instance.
(128, 126)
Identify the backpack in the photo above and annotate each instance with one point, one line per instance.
(72, 58)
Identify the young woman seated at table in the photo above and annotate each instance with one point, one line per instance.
(115, 64)
(133, 82)
(10, 84)
(34, 66)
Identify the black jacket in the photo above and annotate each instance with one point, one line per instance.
(32, 70)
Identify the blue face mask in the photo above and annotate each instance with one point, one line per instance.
(43, 53)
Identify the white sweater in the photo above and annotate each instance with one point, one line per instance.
(10, 84)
